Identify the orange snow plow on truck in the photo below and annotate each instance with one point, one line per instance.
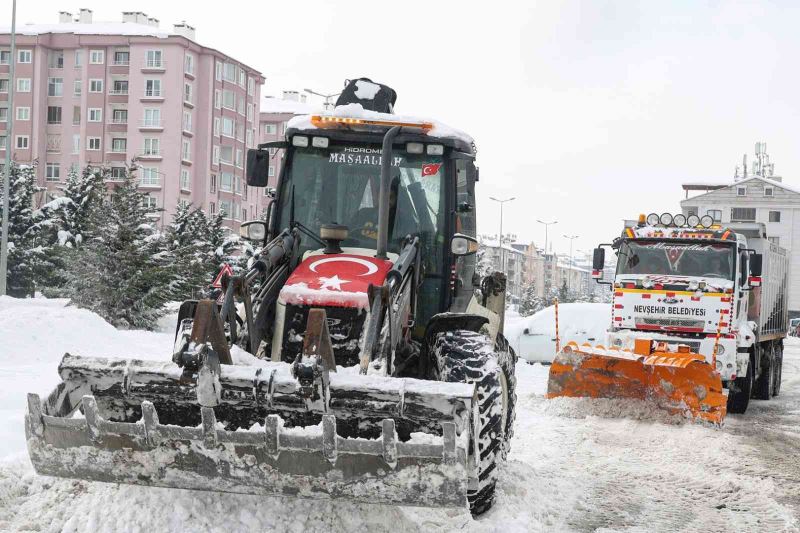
(678, 381)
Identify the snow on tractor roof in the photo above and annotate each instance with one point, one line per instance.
(439, 129)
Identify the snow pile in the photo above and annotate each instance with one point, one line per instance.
(576, 321)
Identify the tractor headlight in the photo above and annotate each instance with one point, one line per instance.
(692, 221)
(652, 219)
(679, 220)
(665, 219)
(706, 221)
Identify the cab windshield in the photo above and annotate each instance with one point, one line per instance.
(341, 184)
(700, 259)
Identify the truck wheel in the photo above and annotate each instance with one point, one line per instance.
(740, 390)
(778, 359)
(765, 381)
(469, 357)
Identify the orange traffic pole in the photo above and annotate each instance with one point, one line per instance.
(558, 339)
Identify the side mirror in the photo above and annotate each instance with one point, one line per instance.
(257, 167)
(598, 262)
(756, 263)
(254, 230)
(463, 245)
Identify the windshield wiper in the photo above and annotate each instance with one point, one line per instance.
(299, 225)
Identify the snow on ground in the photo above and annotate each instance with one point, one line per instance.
(572, 467)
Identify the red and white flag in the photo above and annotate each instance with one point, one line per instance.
(430, 169)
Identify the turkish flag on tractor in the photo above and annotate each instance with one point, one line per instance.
(431, 169)
(225, 270)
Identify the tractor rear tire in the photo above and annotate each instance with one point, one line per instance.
(463, 356)
(740, 391)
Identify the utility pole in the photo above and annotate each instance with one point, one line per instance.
(9, 143)
(502, 251)
(569, 274)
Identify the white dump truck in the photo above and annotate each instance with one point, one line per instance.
(688, 281)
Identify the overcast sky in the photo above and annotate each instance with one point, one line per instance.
(587, 112)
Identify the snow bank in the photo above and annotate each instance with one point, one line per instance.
(576, 321)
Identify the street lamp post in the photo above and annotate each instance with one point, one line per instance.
(327, 97)
(9, 141)
(502, 251)
(546, 226)
(569, 275)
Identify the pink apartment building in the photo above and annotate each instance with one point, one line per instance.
(275, 113)
(109, 93)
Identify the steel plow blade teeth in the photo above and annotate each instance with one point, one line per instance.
(678, 382)
(142, 425)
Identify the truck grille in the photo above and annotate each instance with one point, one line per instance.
(671, 322)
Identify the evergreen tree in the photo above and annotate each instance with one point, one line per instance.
(27, 253)
(530, 303)
(564, 294)
(186, 249)
(122, 272)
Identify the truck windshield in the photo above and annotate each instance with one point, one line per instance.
(341, 184)
(702, 259)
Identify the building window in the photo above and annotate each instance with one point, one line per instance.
(152, 88)
(774, 216)
(52, 172)
(53, 114)
(240, 70)
(93, 143)
(5, 57)
(229, 100)
(239, 158)
(152, 117)
(23, 113)
(226, 182)
(715, 214)
(119, 116)
(152, 146)
(775, 240)
(77, 87)
(117, 173)
(23, 85)
(97, 57)
(741, 191)
(3, 114)
(187, 121)
(743, 214)
(95, 114)
(215, 155)
(3, 142)
(76, 143)
(55, 59)
(249, 112)
(225, 209)
(24, 56)
(149, 177)
(186, 153)
(212, 208)
(122, 58)
(769, 191)
(249, 139)
(119, 87)
(218, 70)
(188, 64)
(240, 106)
(251, 85)
(237, 185)
(4, 83)
(187, 92)
(95, 86)
(216, 126)
(153, 59)
(226, 154)
(185, 183)
(149, 202)
(55, 86)
(213, 183)
(229, 72)
(271, 172)
(78, 58)
(22, 142)
(228, 127)
(119, 144)
(76, 115)
(270, 129)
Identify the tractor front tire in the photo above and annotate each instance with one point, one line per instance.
(463, 356)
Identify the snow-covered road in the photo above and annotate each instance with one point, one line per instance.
(572, 466)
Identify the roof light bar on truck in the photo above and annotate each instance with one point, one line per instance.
(327, 121)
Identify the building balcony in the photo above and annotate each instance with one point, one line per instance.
(154, 65)
(118, 121)
(118, 92)
(121, 63)
(149, 156)
(151, 125)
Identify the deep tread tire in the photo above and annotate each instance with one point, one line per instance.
(470, 357)
(739, 393)
(765, 381)
(776, 384)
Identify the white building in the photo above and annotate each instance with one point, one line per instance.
(755, 199)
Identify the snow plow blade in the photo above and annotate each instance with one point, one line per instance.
(679, 382)
(143, 423)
